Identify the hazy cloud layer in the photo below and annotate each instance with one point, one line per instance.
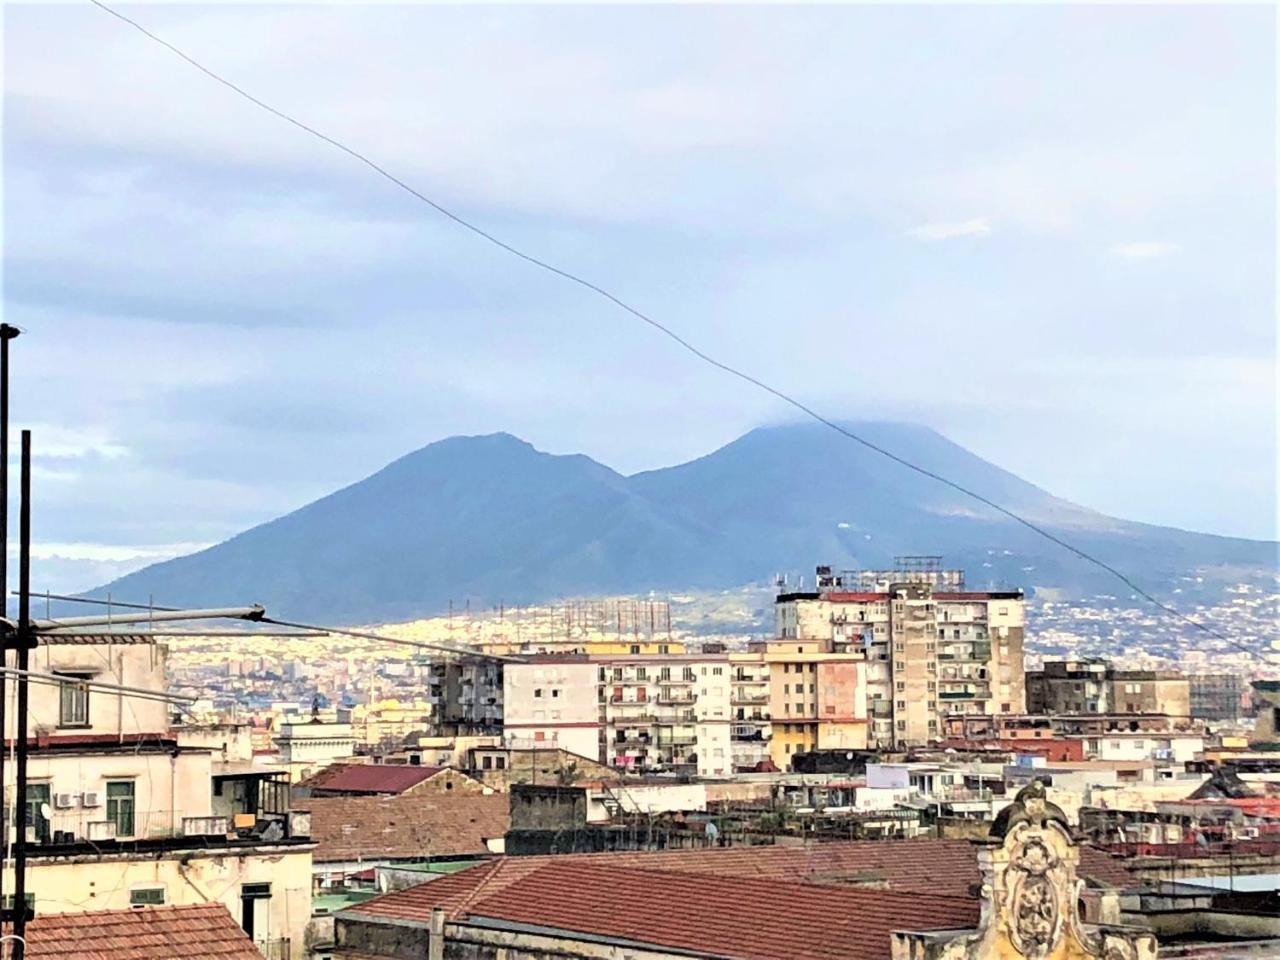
(1048, 232)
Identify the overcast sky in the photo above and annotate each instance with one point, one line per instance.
(1047, 232)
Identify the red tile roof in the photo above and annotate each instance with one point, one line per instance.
(407, 827)
(681, 910)
(926, 865)
(203, 931)
(368, 777)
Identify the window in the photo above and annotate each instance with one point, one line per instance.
(642, 673)
(147, 897)
(635, 648)
(902, 704)
(73, 709)
(786, 688)
(37, 798)
(487, 763)
(901, 686)
(537, 692)
(502, 762)
(813, 688)
(717, 671)
(120, 806)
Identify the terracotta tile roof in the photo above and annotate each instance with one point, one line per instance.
(405, 827)
(203, 931)
(681, 910)
(946, 867)
(368, 777)
(927, 865)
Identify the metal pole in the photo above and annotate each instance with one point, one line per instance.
(7, 333)
(24, 662)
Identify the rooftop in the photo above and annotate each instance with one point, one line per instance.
(593, 896)
(372, 778)
(205, 931)
(406, 827)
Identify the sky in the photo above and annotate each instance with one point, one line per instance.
(1047, 232)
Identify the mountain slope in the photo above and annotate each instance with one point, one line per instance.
(492, 519)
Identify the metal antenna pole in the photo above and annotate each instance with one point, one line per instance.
(7, 333)
(25, 642)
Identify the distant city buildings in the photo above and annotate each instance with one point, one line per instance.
(1096, 686)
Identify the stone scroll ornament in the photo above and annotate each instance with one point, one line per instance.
(1036, 882)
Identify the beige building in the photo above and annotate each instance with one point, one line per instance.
(932, 649)
(122, 814)
(1095, 686)
(307, 746)
(817, 697)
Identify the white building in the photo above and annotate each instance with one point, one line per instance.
(552, 702)
(120, 814)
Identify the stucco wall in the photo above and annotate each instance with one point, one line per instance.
(71, 884)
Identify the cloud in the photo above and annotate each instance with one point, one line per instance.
(1144, 249)
(933, 232)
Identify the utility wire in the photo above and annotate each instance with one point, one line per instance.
(667, 331)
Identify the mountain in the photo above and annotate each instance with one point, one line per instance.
(493, 520)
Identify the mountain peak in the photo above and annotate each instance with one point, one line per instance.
(493, 519)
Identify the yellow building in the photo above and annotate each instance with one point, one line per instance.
(817, 697)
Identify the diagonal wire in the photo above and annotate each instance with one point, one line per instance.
(667, 331)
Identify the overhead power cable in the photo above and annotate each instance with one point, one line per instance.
(668, 332)
(302, 631)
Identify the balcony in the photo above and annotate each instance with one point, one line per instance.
(274, 949)
(677, 740)
(750, 698)
(675, 698)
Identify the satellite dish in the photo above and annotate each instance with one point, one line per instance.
(45, 811)
(849, 755)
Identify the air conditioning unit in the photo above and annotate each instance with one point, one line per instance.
(102, 830)
(91, 798)
(64, 801)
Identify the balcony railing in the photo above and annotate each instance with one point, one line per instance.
(274, 949)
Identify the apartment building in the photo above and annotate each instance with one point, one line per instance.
(750, 703)
(817, 697)
(1217, 696)
(1095, 686)
(932, 650)
(552, 702)
(666, 713)
(465, 695)
(121, 814)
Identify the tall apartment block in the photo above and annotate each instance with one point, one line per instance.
(932, 648)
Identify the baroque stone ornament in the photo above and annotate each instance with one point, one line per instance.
(1030, 898)
(1036, 920)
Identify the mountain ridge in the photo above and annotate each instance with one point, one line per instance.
(492, 518)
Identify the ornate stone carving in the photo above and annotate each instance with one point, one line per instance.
(1035, 916)
(1030, 897)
